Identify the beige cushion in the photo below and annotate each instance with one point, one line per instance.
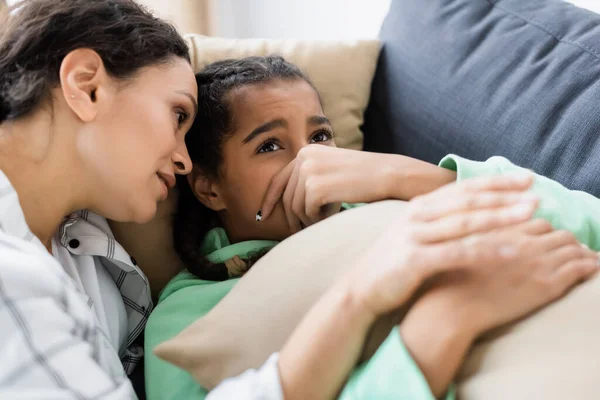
(341, 71)
(551, 355)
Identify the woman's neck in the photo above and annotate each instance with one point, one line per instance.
(44, 181)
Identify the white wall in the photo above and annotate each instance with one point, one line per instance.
(593, 5)
(300, 19)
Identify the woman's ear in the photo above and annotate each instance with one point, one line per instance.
(83, 80)
(206, 190)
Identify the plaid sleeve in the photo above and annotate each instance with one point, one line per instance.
(50, 345)
(261, 384)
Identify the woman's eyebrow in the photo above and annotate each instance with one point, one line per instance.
(192, 99)
(318, 120)
(269, 126)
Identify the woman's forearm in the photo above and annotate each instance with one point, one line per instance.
(318, 357)
(407, 177)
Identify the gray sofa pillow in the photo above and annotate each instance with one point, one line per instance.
(479, 78)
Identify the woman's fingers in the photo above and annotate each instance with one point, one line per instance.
(572, 273)
(535, 227)
(517, 181)
(468, 223)
(466, 202)
(498, 183)
(560, 256)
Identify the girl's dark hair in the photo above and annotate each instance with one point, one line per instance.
(36, 35)
(212, 127)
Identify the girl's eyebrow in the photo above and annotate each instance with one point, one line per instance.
(318, 120)
(269, 126)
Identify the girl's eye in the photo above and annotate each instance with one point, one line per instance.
(322, 136)
(182, 117)
(268, 147)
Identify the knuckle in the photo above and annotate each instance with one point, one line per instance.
(470, 202)
(542, 224)
(317, 194)
(556, 287)
(307, 167)
(305, 152)
(573, 251)
(464, 224)
(565, 237)
(460, 253)
(536, 263)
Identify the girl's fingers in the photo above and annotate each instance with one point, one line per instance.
(288, 196)
(299, 199)
(276, 189)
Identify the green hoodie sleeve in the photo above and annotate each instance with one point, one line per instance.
(391, 374)
(575, 211)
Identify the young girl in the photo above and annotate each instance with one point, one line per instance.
(218, 229)
(261, 122)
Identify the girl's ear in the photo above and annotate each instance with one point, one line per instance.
(206, 190)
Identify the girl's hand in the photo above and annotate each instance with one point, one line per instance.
(314, 184)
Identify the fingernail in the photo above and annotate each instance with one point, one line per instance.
(523, 177)
(259, 216)
(528, 198)
(521, 210)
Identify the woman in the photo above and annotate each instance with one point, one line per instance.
(95, 99)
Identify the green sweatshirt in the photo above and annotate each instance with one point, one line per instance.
(391, 373)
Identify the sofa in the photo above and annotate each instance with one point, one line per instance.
(478, 78)
(519, 79)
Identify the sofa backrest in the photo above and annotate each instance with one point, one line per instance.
(515, 78)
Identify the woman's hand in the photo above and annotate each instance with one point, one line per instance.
(444, 231)
(548, 264)
(444, 322)
(314, 184)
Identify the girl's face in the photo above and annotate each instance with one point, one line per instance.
(135, 145)
(272, 123)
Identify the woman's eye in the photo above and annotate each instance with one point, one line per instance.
(321, 136)
(182, 116)
(268, 147)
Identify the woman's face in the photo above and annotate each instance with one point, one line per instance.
(272, 123)
(135, 146)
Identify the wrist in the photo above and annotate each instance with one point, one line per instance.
(348, 296)
(438, 340)
(406, 177)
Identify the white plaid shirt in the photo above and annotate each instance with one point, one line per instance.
(50, 344)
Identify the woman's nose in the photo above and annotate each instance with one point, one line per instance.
(182, 161)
